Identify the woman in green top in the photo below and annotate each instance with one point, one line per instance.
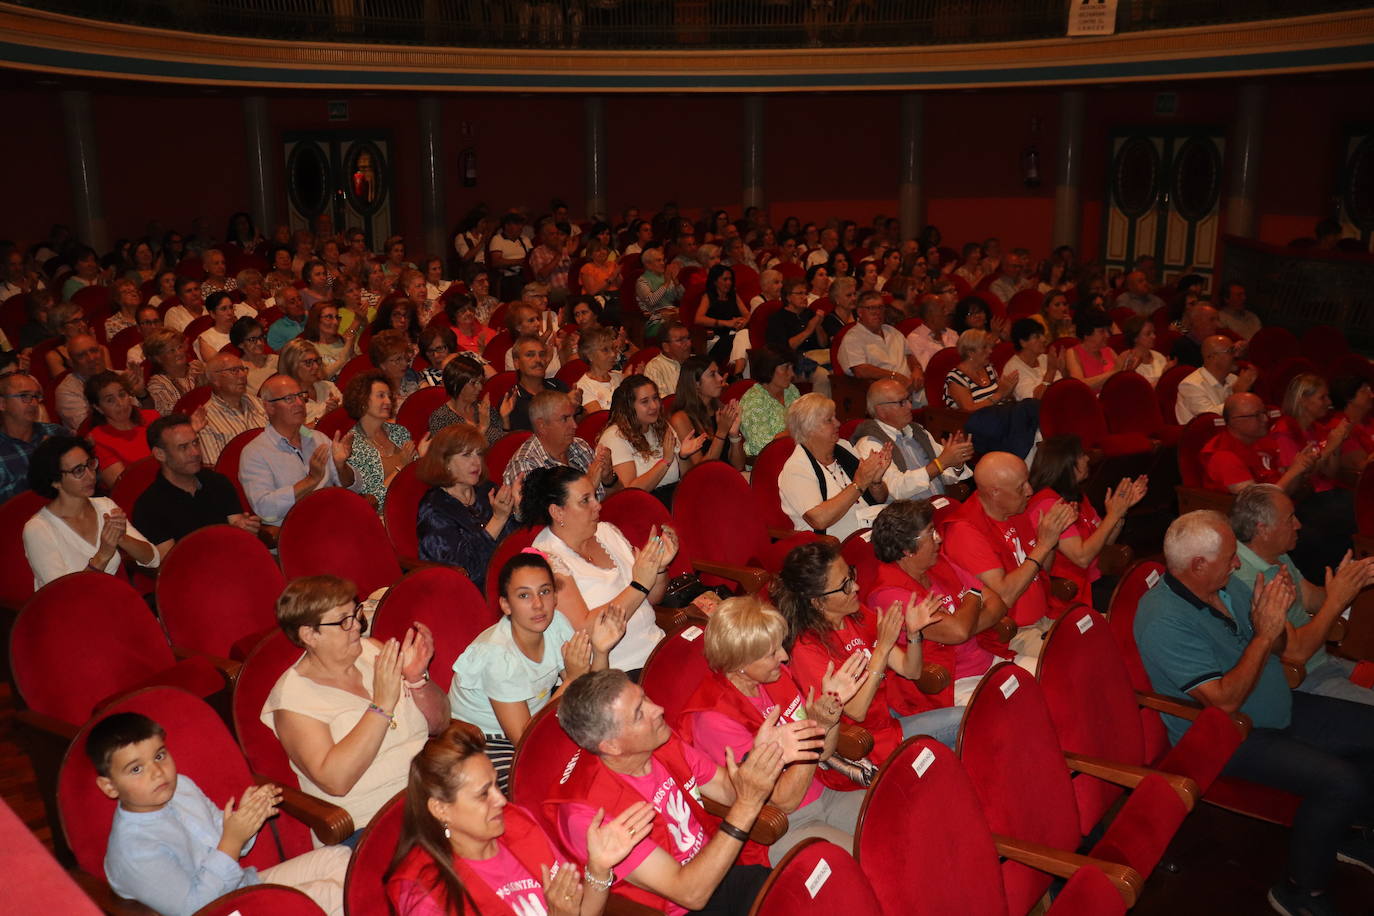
(763, 409)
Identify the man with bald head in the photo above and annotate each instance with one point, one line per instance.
(1242, 454)
(1205, 635)
(290, 459)
(991, 536)
(1201, 322)
(1137, 296)
(1206, 390)
(231, 409)
(88, 361)
(919, 468)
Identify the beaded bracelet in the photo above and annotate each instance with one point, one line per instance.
(601, 883)
(391, 719)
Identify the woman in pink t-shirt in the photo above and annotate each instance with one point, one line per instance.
(1306, 405)
(462, 841)
(1092, 361)
(1060, 468)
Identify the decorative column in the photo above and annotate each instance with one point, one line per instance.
(262, 161)
(432, 176)
(83, 166)
(910, 201)
(594, 128)
(752, 182)
(1068, 190)
(1244, 155)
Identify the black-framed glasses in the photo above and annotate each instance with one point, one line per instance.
(26, 396)
(293, 396)
(311, 361)
(357, 618)
(847, 585)
(81, 470)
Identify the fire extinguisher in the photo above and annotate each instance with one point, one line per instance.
(467, 163)
(1030, 166)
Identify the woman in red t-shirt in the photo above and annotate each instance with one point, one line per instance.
(1306, 404)
(462, 841)
(119, 426)
(1058, 473)
(1353, 399)
(817, 594)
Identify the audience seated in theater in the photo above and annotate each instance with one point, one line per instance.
(657, 291)
(844, 295)
(514, 668)
(290, 459)
(972, 313)
(827, 625)
(462, 517)
(216, 279)
(21, 431)
(873, 350)
(1091, 361)
(118, 425)
(170, 847)
(322, 328)
(1140, 338)
(594, 565)
(1353, 399)
(551, 260)
(1200, 322)
(992, 536)
(531, 320)
(697, 410)
(796, 328)
(818, 278)
(462, 844)
(125, 298)
(600, 275)
(919, 467)
(251, 340)
(1234, 315)
(959, 639)
(1204, 635)
(292, 320)
(220, 307)
(1057, 475)
(189, 307)
(317, 287)
(147, 321)
(1013, 278)
(391, 353)
(380, 448)
(1244, 453)
(186, 495)
(231, 409)
(437, 344)
(1055, 316)
(462, 381)
(1266, 526)
(675, 346)
(763, 408)
(1206, 390)
(646, 454)
(174, 374)
(1035, 363)
(301, 360)
(469, 334)
(76, 530)
(1306, 421)
(379, 286)
(597, 347)
(88, 361)
(399, 315)
(352, 711)
(934, 334)
(531, 358)
(555, 444)
(824, 485)
(749, 685)
(682, 864)
(254, 289)
(722, 311)
(1137, 296)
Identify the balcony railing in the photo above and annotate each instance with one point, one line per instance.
(661, 24)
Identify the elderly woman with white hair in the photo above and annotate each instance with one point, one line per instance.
(974, 383)
(825, 486)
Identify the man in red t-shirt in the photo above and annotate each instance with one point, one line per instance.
(1243, 454)
(991, 537)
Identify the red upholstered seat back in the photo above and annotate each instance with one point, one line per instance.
(571, 371)
(336, 532)
(500, 453)
(16, 578)
(1322, 343)
(513, 543)
(229, 457)
(262, 900)
(858, 553)
(541, 759)
(763, 479)
(1270, 345)
(336, 421)
(1129, 406)
(1031, 800)
(212, 618)
(1166, 391)
(719, 515)
(814, 876)
(920, 786)
(1135, 582)
(1092, 703)
(192, 400)
(1200, 430)
(256, 679)
(202, 749)
(1273, 380)
(635, 513)
(592, 425)
(402, 510)
(415, 410)
(121, 344)
(496, 387)
(758, 323)
(736, 390)
(639, 359)
(136, 478)
(1026, 302)
(364, 886)
(446, 601)
(354, 367)
(936, 370)
(674, 669)
(87, 609)
(1070, 407)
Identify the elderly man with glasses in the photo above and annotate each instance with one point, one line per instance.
(1206, 390)
(289, 459)
(21, 399)
(231, 409)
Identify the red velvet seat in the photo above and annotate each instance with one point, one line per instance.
(758, 322)
(590, 428)
(354, 367)
(736, 390)
(446, 601)
(571, 371)
(262, 900)
(192, 400)
(336, 532)
(543, 755)
(936, 370)
(512, 544)
(101, 611)
(229, 457)
(763, 480)
(415, 410)
(1129, 406)
(495, 388)
(1007, 719)
(1270, 345)
(1273, 380)
(922, 799)
(1001, 354)
(16, 578)
(1166, 391)
(1200, 430)
(120, 345)
(1323, 343)
(1070, 407)
(365, 884)
(635, 512)
(495, 350)
(501, 452)
(858, 553)
(1026, 302)
(230, 617)
(136, 478)
(403, 496)
(814, 876)
(639, 359)
(674, 670)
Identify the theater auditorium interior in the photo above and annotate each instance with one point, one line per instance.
(749, 457)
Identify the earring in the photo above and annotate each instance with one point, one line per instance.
(447, 832)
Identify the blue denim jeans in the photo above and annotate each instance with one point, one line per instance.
(940, 724)
(1332, 679)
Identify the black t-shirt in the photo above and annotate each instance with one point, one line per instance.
(167, 512)
(520, 413)
(783, 325)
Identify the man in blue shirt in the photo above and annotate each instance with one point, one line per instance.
(290, 459)
(21, 397)
(1203, 635)
(292, 320)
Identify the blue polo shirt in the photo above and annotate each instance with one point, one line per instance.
(1185, 642)
(1252, 564)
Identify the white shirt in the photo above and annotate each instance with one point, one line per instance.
(492, 667)
(922, 345)
(664, 372)
(817, 256)
(178, 316)
(1154, 368)
(1028, 377)
(210, 342)
(885, 348)
(622, 452)
(54, 548)
(1201, 393)
(801, 492)
(599, 392)
(913, 483)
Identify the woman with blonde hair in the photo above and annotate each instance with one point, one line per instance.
(824, 485)
(175, 375)
(301, 360)
(1306, 404)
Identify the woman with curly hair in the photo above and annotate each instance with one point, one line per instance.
(645, 452)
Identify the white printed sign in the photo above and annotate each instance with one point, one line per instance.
(691, 634)
(819, 875)
(1092, 17)
(1008, 687)
(923, 761)
(1085, 623)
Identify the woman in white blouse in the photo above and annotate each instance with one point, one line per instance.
(825, 486)
(594, 565)
(600, 381)
(1140, 336)
(216, 337)
(645, 452)
(76, 530)
(302, 361)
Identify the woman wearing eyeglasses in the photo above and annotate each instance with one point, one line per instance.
(352, 711)
(322, 328)
(302, 361)
(827, 624)
(76, 530)
(247, 334)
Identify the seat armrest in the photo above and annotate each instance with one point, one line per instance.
(411, 563)
(328, 821)
(751, 579)
(269, 534)
(769, 826)
(1061, 864)
(959, 491)
(933, 679)
(781, 534)
(1063, 589)
(854, 741)
(50, 725)
(227, 666)
(1186, 709)
(1129, 776)
(1293, 673)
(670, 618)
(1114, 559)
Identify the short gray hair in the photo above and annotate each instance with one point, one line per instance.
(805, 415)
(1254, 506)
(586, 710)
(971, 340)
(1196, 534)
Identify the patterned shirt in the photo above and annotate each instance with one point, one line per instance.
(15, 454)
(532, 454)
(542, 257)
(369, 476)
(762, 417)
(224, 421)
